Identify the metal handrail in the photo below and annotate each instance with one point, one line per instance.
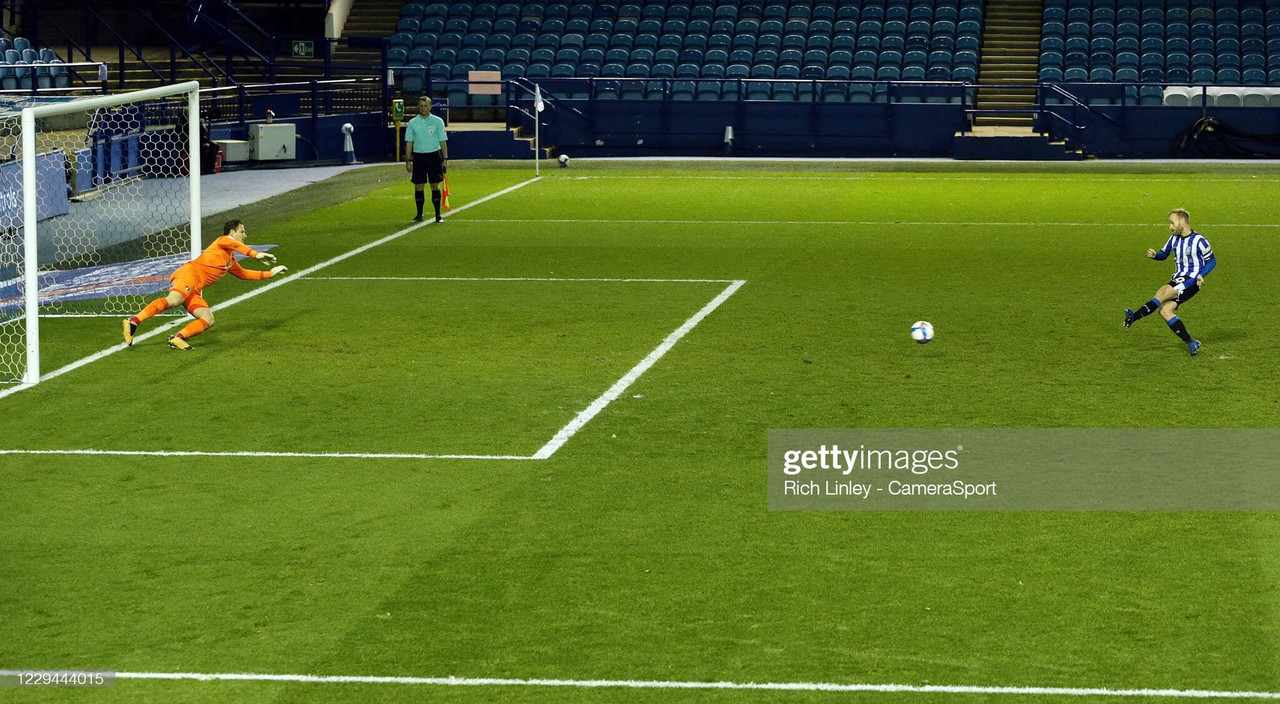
(123, 44)
(41, 20)
(1078, 104)
(34, 90)
(175, 45)
(292, 84)
(228, 33)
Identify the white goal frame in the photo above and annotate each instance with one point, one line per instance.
(31, 264)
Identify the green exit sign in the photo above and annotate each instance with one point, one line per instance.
(304, 49)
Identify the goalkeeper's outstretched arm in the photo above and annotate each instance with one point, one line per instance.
(253, 275)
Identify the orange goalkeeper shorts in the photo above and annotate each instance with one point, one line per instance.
(185, 285)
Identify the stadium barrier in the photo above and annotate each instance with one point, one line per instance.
(589, 117)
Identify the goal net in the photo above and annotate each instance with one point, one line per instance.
(99, 202)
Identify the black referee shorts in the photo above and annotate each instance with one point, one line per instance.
(428, 168)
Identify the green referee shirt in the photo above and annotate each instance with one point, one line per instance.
(426, 134)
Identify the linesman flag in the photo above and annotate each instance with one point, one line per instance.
(444, 192)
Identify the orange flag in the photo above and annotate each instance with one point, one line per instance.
(445, 203)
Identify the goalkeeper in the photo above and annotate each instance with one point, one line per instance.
(187, 284)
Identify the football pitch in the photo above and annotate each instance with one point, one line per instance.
(525, 448)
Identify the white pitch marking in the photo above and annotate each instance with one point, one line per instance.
(687, 685)
(261, 290)
(329, 455)
(545, 452)
(878, 223)
(514, 278)
(630, 377)
(941, 176)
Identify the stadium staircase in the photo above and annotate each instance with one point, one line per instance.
(368, 19)
(1010, 55)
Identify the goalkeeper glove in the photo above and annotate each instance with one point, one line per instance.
(278, 270)
(266, 257)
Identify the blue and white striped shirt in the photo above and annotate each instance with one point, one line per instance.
(1192, 255)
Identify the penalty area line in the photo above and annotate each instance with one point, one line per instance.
(250, 453)
(519, 278)
(857, 223)
(262, 289)
(690, 685)
(609, 396)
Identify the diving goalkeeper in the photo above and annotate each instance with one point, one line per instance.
(187, 284)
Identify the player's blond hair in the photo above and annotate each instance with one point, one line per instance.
(1182, 213)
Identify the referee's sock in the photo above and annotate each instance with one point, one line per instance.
(1147, 308)
(1175, 324)
(419, 199)
(435, 202)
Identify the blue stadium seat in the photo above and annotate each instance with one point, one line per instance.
(404, 41)
(1050, 74)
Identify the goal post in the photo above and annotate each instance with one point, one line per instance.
(99, 201)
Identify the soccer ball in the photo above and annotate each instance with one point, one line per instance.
(348, 128)
(563, 160)
(922, 331)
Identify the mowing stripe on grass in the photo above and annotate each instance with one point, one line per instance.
(658, 684)
(261, 290)
(630, 377)
(877, 223)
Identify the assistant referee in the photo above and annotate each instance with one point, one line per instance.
(426, 153)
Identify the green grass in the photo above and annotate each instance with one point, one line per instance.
(643, 548)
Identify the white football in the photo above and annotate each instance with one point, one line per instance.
(347, 128)
(922, 331)
(563, 160)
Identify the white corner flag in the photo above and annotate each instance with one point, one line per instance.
(537, 98)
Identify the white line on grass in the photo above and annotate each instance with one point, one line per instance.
(261, 290)
(941, 176)
(545, 452)
(621, 385)
(659, 684)
(327, 455)
(514, 278)
(878, 223)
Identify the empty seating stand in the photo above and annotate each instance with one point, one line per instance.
(23, 67)
(1232, 44)
(681, 49)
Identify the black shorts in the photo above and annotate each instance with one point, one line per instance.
(428, 168)
(1189, 289)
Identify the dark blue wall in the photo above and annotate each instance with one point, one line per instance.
(1142, 132)
(607, 127)
(760, 128)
